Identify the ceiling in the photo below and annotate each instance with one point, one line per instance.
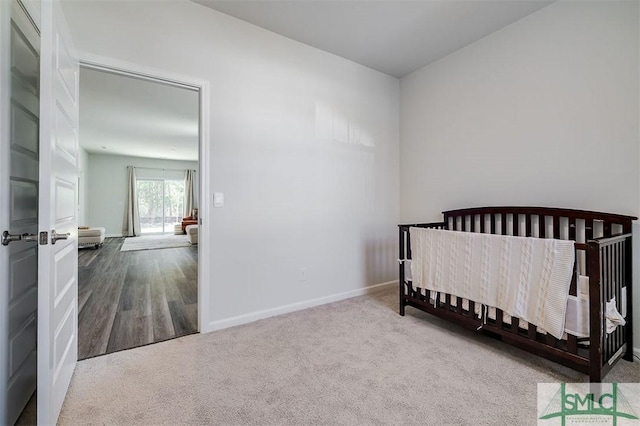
(395, 37)
(123, 115)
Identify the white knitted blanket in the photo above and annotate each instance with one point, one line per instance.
(528, 278)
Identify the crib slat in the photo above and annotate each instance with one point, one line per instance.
(572, 228)
(447, 301)
(482, 221)
(401, 284)
(626, 278)
(472, 308)
(499, 321)
(556, 227)
(612, 293)
(515, 225)
(619, 283)
(515, 324)
(572, 342)
(616, 292)
(503, 223)
(573, 287)
(542, 226)
(551, 341)
(622, 282)
(615, 282)
(604, 284)
(493, 223)
(607, 296)
(527, 222)
(531, 333)
(588, 230)
(612, 285)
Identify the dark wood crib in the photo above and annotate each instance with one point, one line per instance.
(603, 253)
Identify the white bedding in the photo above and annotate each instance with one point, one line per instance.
(576, 316)
(528, 278)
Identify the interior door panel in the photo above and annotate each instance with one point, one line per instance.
(23, 177)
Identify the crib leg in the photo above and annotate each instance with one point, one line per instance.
(401, 270)
(628, 356)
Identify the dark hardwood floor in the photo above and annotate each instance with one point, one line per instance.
(133, 298)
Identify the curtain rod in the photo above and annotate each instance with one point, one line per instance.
(158, 168)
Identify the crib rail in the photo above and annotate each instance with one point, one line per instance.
(543, 222)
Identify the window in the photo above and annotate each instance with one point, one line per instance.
(160, 204)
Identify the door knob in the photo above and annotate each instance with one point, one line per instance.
(55, 236)
(8, 238)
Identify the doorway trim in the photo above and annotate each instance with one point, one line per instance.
(96, 62)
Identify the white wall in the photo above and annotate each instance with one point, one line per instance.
(83, 193)
(543, 112)
(303, 144)
(107, 175)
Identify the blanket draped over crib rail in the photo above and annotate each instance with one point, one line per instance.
(528, 278)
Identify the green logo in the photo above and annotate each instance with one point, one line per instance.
(566, 404)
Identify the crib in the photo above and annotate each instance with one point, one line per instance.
(602, 253)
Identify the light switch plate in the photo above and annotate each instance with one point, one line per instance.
(218, 199)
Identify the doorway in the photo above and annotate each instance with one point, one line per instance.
(57, 289)
(139, 140)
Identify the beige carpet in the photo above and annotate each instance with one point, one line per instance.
(352, 362)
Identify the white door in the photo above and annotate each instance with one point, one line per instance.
(19, 181)
(57, 260)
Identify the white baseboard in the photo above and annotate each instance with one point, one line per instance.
(113, 235)
(636, 352)
(258, 315)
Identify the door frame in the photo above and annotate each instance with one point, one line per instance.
(101, 63)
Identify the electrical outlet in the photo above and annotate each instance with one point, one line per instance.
(302, 276)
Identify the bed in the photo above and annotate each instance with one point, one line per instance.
(600, 281)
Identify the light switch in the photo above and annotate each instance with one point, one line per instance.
(218, 199)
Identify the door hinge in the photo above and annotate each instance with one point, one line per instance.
(44, 238)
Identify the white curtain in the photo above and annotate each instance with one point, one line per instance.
(190, 194)
(131, 224)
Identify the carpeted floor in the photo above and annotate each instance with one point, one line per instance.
(154, 242)
(352, 362)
